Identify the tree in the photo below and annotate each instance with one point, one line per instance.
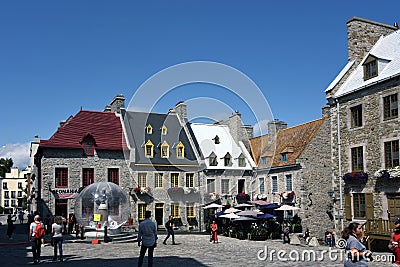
(5, 166)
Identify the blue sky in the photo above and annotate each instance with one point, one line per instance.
(56, 56)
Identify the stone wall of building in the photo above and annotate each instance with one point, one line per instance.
(315, 182)
(75, 162)
(371, 136)
(362, 35)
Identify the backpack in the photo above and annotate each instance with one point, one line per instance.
(39, 230)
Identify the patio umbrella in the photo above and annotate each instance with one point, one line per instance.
(213, 206)
(266, 216)
(231, 210)
(230, 216)
(218, 214)
(270, 206)
(243, 219)
(243, 205)
(260, 202)
(249, 213)
(287, 207)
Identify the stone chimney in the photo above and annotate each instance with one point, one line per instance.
(116, 104)
(181, 109)
(274, 127)
(362, 35)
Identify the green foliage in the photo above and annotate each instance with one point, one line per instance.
(1, 209)
(5, 166)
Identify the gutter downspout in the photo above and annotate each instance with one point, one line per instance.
(340, 166)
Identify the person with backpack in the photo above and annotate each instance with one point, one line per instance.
(169, 225)
(36, 235)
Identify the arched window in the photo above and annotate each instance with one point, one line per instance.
(149, 149)
(149, 129)
(165, 150)
(88, 145)
(180, 150)
(164, 130)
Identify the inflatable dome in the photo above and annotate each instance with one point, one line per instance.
(105, 195)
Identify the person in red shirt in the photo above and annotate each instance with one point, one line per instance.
(214, 230)
(394, 241)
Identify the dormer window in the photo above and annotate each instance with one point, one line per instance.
(164, 130)
(149, 129)
(165, 150)
(370, 68)
(228, 160)
(284, 157)
(213, 159)
(149, 149)
(242, 160)
(88, 145)
(216, 140)
(180, 150)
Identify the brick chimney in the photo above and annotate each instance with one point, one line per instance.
(274, 127)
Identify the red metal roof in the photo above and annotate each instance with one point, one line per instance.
(105, 127)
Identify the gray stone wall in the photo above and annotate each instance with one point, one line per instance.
(362, 35)
(315, 182)
(74, 160)
(372, 135)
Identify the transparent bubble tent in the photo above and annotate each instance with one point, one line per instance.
(103, 198)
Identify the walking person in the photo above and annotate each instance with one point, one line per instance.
(57, 230)
(21, 216)
(36, 235)
(394, 242)
(357, 253)
(10, 226)
(214, 232)
(170, 229)
(147, 239)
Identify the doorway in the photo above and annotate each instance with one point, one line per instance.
(393, 205)
(61, 207)
(159, 213)
(241, 187)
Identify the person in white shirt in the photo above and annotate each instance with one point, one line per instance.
(57, 230)
(36, 242)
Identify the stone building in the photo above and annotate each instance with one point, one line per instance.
(228, 167)
(363, 103)
(86, 148)
(293, 168)
(165, 166)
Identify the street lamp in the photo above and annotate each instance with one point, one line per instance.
(49, 196)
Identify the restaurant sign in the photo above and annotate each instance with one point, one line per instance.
(65, 193)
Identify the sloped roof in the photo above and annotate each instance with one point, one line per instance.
(387, 50)
(258, 145)
(205, 133)
(135, 124)
(104, 127)
(292, 141)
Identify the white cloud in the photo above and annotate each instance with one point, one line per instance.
(261, 128)
(18, 152)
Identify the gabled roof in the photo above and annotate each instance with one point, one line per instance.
(291, 141)
(205, 135)
(135, 124)
(259, 145)
(387, 50)
(104, 127)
